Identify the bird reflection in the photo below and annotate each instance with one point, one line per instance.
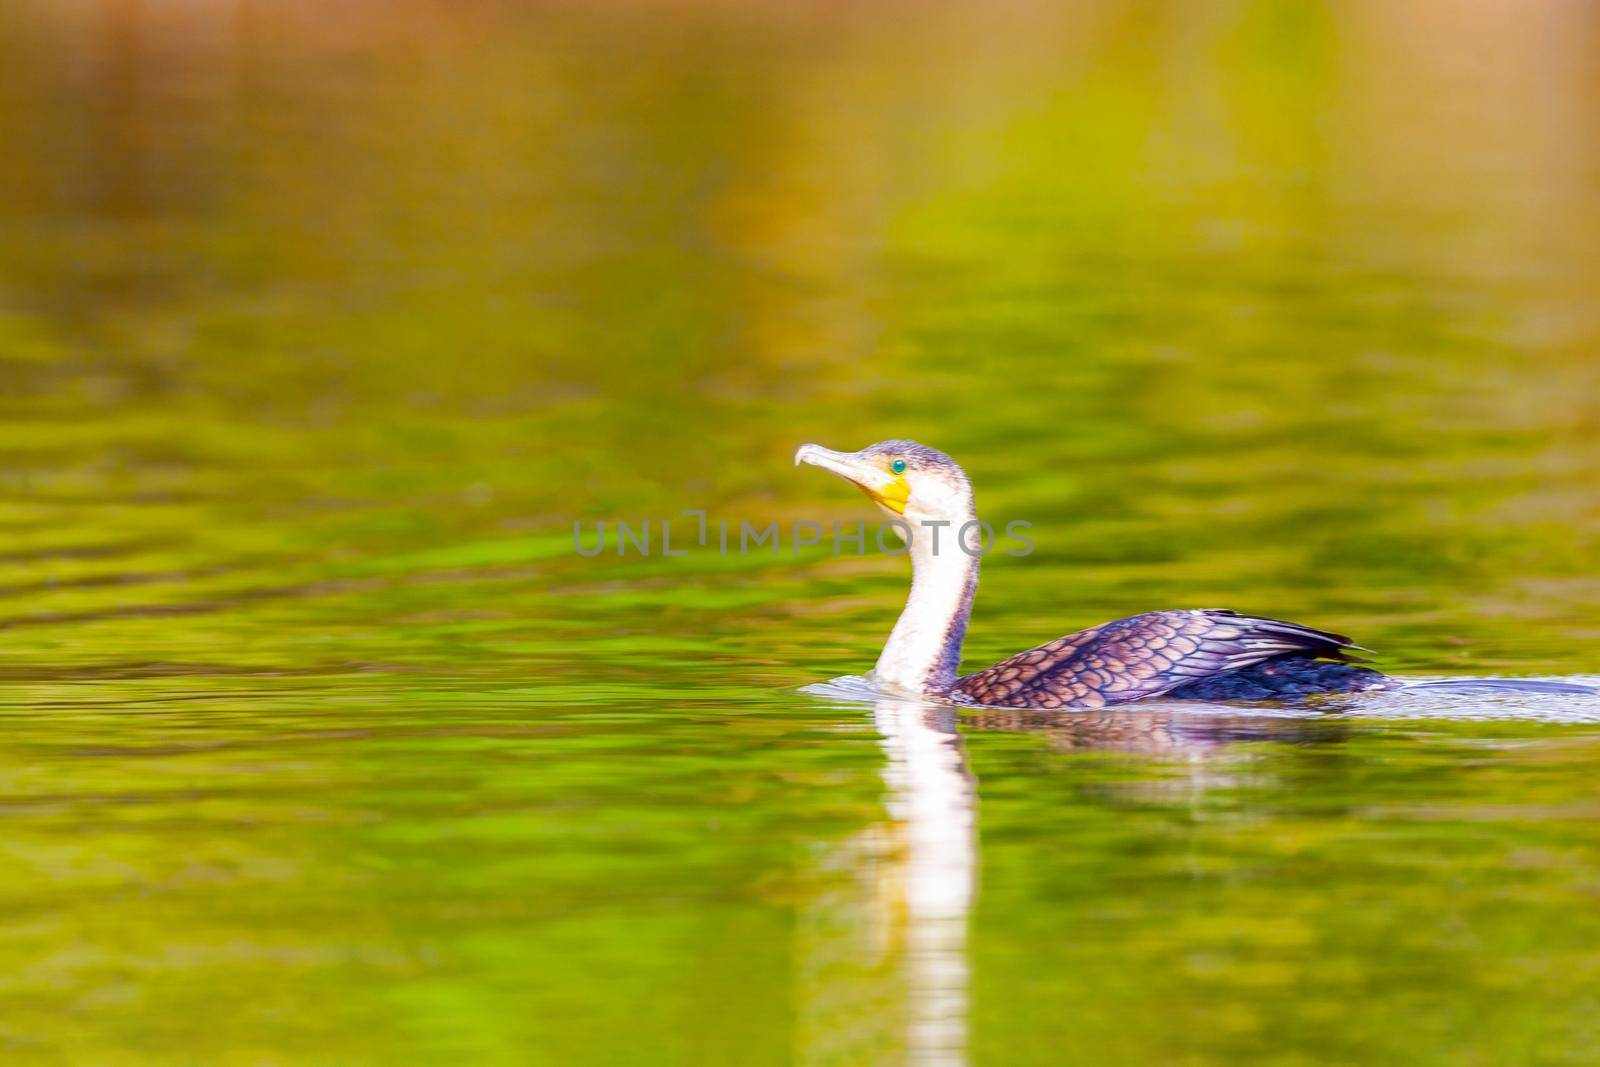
(1153, 730)
(885, 956)
(932, 799)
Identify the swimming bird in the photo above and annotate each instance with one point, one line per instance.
(1206, 654)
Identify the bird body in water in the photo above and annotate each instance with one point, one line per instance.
(1208, 654)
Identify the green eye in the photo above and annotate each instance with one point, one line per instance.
(898, 466)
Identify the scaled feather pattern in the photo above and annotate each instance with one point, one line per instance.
(1207, 654)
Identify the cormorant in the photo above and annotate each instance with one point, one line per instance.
(1210, 654)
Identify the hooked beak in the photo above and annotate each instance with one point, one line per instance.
(883, 488)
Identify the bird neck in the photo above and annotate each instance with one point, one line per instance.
(924, 649)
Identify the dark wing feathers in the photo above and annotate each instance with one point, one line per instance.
(1141, 657)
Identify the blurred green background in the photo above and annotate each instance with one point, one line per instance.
(321, 323)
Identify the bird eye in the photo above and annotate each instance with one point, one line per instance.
(898, 466)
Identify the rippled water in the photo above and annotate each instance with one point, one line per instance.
(320, 325)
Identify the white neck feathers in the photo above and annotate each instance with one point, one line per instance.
(924, 649)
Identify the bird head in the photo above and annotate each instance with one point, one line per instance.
(907, 480)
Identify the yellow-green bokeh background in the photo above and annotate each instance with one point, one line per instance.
(320, 324)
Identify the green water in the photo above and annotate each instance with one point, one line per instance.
(321, 324)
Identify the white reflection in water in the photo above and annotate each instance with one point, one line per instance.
(882, 974)
(932, 803)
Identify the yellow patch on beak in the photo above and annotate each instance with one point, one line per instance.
(892, 496)
(884, 486)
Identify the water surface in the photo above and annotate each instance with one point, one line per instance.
(318, 329)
